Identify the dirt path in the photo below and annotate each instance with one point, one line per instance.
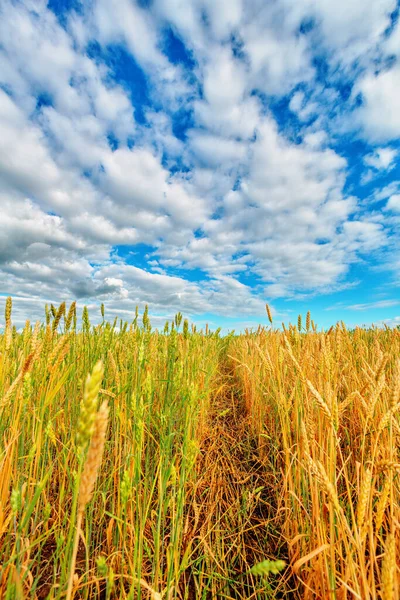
(234, 514)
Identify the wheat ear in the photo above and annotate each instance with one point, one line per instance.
(269, 313)
(8, 329)
(88, 480)
(388, 568)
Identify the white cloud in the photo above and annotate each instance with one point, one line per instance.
(373, 305)
(315, 139)
(299, 105)
(227, 108)
(379, 114)
(128, 22)
(215, 151)
(132, 26)
(350, 26)
(279, 58)
(26, 164)
(381, 159)
(393, 322)
(288, 213)
(393, 203)
(378, 84)
(392, 188)
(297, 102)
(135, 177)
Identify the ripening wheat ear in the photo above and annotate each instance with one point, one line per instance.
(382, 503)
(94, 458)
(26, 367)
(88, 480)
(269, 313)
(8, 330)
(396, 391)
(88, 406)
(70, 316)
(299, 323)
(363, 501)
(59, 314)
(389, 568)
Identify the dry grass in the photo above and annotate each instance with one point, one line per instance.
(223, 457)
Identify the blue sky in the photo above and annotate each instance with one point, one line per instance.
(206, 156)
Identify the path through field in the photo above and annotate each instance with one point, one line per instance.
(237, 523)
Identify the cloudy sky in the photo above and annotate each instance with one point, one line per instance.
(201, 155)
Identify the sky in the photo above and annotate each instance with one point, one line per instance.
(202, 156)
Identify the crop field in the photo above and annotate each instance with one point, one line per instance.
(183, 464)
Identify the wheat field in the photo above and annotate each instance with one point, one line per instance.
(182, 464)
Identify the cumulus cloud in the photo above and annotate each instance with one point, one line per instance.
(381, 159)
(394, 203)
(378, 113)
